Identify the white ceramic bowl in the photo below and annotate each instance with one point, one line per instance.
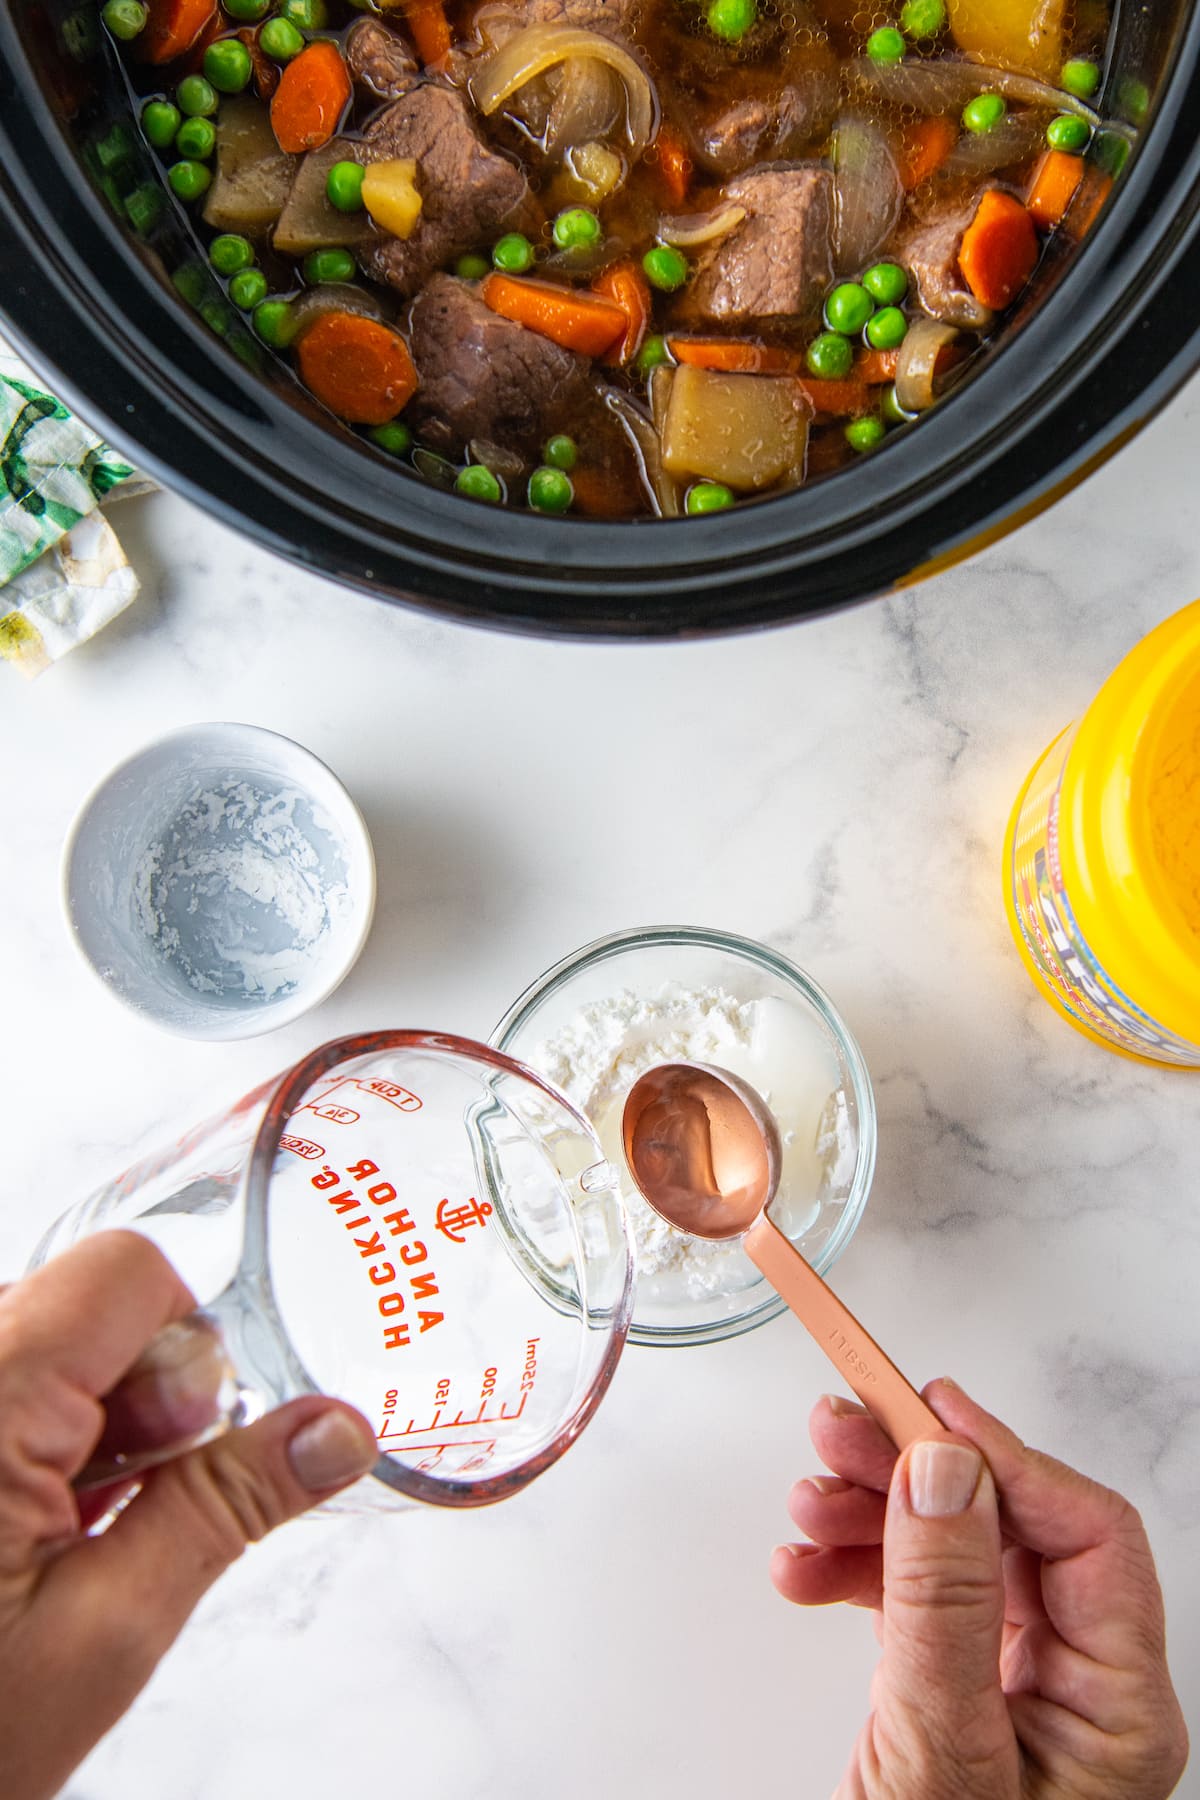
(220, 882)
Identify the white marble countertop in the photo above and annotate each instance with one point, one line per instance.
(838, 789)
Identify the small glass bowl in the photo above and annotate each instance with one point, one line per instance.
(601, 1016)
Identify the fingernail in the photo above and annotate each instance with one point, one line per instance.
(947, 1381)
(942, 1479)
(825, 1484)
(838, 1404)
(797, 1551)
(330, 1450)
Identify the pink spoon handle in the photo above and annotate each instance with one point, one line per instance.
(890, 1399)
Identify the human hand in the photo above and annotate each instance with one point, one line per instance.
(84, 1620)
(1020, 1614)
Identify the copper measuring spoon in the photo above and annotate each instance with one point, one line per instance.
(704, 1152)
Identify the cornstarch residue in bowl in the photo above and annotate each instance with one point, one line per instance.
(597, 1057)
(242, 889)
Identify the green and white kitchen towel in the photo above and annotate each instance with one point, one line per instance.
(63, 573)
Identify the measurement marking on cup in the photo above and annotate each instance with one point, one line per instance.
(488, 1414)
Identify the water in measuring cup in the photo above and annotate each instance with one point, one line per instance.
(426, 1265)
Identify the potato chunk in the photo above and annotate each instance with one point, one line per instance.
(389, 193)
(748, 431)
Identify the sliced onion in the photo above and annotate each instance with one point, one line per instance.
(507, 464)
(687, 230)
(946, 83)
(540, 47)
(1014, 139)
(916, 364)
(333, 296)
(644, 440)
(586, 105)
(867, 191)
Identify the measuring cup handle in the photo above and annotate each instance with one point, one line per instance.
(182, 1391)
(883, 1390)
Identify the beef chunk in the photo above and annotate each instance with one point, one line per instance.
(380, 60)
(468, 192)
(764, 127)
(928, 247)
(776, 265)
(481, 376)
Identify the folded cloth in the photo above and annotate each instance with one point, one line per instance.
(63, 573)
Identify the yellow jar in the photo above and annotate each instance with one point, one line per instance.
(1102, 856)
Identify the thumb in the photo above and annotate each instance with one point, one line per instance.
(196, 1515)
(943, 1611)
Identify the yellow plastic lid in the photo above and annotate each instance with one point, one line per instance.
(1129, 825)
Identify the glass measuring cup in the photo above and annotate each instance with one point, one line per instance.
(412, 1222)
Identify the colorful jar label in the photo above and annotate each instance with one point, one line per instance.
(1056, 947)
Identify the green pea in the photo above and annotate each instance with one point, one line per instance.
(394, 437)
(143, 208)
(216, 316)
(196, 97)
(229, 253)
(126, 19)
(280, 39)
(847, 308)
(191, 280)
(577, 228)
(891, 410)
(922, 18)
(1111, 152)
(708, 496)
(864, 434)
(248, 288)
(652, 355)
(478, 483)
(305, 15)
(829, 356)
(113, 149)
(886, 283)
(79, 37)
(1067, 132)
(1080, 77)
(886, 45)
(1133, 99)
(560, 452)
(247, 12)
(513, 253)
(983, 113)
(888, 329)
(189, 179)
(275, 323)
(472, 266)
(196, 138)
(227, 65)
(666, 267)
(328, 265)
(731, 19)
(550, 490)
(160, 122)
(343, 186)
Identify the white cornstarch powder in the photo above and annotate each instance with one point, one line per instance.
(597, 1057)
(242, 889)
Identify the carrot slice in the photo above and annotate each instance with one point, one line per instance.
(1093, 191)
(584, 322)
(670, 157)
(999, 249)
(923, 148)
(358, 368)
(1055, 179)
(429, 29)
(876, 366)
(172, 26)
(625, 283)
(734, 356)
(840, 399)
(313, 93)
